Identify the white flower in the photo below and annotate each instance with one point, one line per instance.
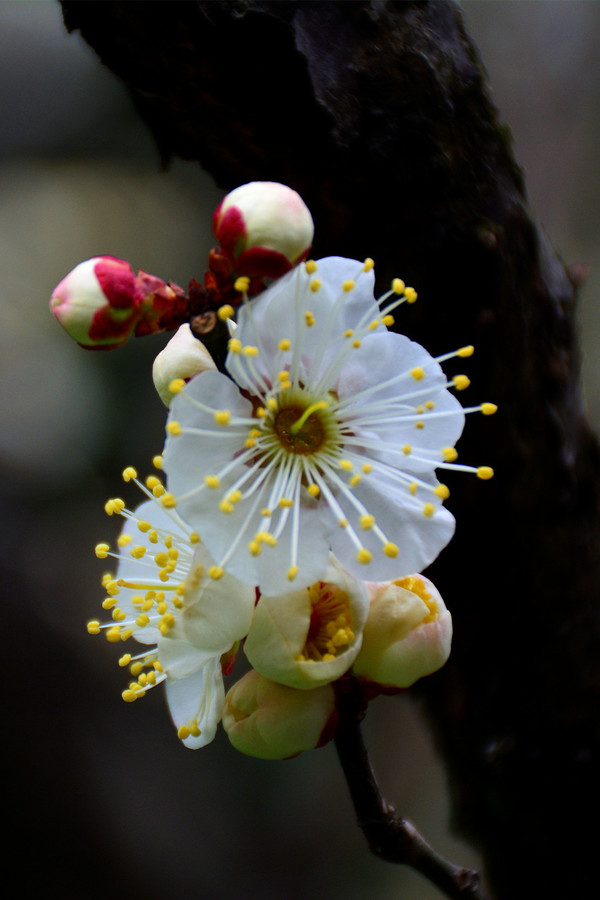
(311, 636)
(407, 635)
(162, 596)
(271, 721)
(326, 435)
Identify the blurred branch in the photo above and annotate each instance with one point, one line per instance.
(379, 114)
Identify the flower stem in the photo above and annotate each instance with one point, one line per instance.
(389, 836)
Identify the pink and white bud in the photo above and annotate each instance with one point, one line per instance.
(182, 358)
(407, 634)
(99, 303)
(272, 721)
(311, 636)
(264, 228)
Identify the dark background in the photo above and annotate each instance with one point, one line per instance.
(102, 798)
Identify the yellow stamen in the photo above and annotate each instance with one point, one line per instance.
(225, 312)
(485, 473)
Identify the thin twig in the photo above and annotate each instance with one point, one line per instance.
(389, 835)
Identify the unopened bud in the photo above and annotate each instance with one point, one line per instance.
(264, 228)
(272, 721)
(99, 303)
(183, 357)
(407, 634)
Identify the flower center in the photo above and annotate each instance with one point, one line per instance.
(329, 632)
(300, 430)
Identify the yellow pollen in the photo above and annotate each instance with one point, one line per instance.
(142, 619)
(374, 324)
(216, 572)
(315, 285)
(116, 505)
(419, 424)
(349, 333)
(413, 487)
(292, 572)
(310, 266)
(348, 285)
(138, 552)
(234, 345)
(158, 490)
(367, 521)
(194, 537)
(442, 491)
(356, 479)
(488, 409)
(222, 417)
(449, 454)
(428, 510)
(410, 294)
(265, 511)
(212, 481)
(461, 382)
(125, 660)
(309, 319)
(109, 603)
(314, 407)
(390, 549)
(254, 548)
(176, 385)
(250, 351)
(174, 428)
(226, 507)
(168, 501)
(283, 376)
(356, 344)
(113, 635)
(225, 312)
(418, 373)
(314, 490)
(272, 404)
(286, 502)
(485, 473)
(466, 351)
(407, 449)
(157, 461)
(388, 321)
(101, 550)
(183, 732)
(144, 526)
(124, 539)
(129, 473)
(430, 405)
(93, 627)
(368, 264)
(346, 465)
(367, 467)
(398, 286)
(260, 412)
(130, 695)
(364, 556)
(343, 523)
(285, 344)
(242, 284)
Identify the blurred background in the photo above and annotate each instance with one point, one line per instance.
(103, 798)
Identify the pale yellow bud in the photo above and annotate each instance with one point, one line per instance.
(183, 357)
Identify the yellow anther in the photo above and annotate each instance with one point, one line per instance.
(272, 404)
(398, 286)
(183, 732)
(413, 487)
(118, 615)
(461, 382)
(367, 521)
(142, 620)
(144, 526)
(356, 479)
(101, 550)
(292, 572)
(442, 491)
(485, 473)
(176, 385)
(138, 552)
(346, 465)
(265, 511)
(348, 285)
(419, 424)
(194, 728)
(168, 501)
(124, 539)
(364, 556)
(315, 285)
(367, 467)
(285, 344)
(418, 373)
(286, 502)
(93, 627)
(260, 412)
(430, 405)
(158, 490)
(314, 490)
(250, 351)
(254, 548)
(225, 312)
(129, 473)
(152, 481)
(226, 507)
(109, 603)
(106, 579)
(410, 294)
(374, 324)
(368, 264)
(216, 572)
(388, 321)
(125, 660)
(310, 266)
(157, 461)
(222, 417)
(116, 505)
(488, 409)
(136, 668)
(428, 509)
(242, 284)
(130, 695)
(390, 549)
(126, 633)
(161, 559)
(349, 333)
(283, 376)
(466, 351)
(309, 319)
(194, 537)
(356, 344)
(234, 345)
(174, 428)
(113, 635)
(112, 587)
(212, 481)
(343, 523)
(166, 623)
(449, 454)
(407, 449)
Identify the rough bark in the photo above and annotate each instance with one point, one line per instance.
(378, 113)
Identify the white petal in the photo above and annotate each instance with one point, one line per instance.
(199, 697)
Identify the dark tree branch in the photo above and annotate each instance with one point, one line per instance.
(378, 113)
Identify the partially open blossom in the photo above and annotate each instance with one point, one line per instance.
(272, 721)
(264, 228)
(310, 636)
(407, 634)
(167, 594)
(326, 436)
(99, 302)
(182, 357)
